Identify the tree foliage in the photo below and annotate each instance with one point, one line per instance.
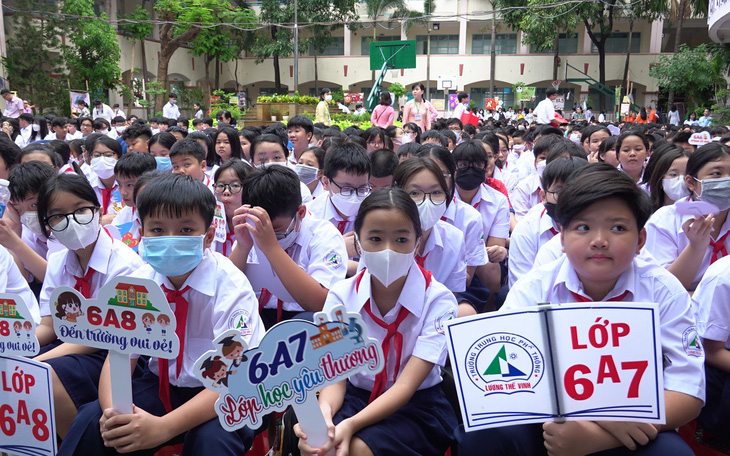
(689, 71)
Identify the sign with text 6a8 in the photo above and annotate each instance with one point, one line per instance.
(27, 424)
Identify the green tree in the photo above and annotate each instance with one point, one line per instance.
(137, 28)
(92, 51)
(377, 8)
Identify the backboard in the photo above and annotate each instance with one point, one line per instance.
(398, 54)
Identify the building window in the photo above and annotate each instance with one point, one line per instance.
(366, 40)
(440, 44)
(618, 43)
(567, 44)
(504, 43)
(336, 47)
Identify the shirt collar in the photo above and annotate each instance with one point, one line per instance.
(202, 279)
(99, 260)
(330, 213)
(414, 290)
(568, 278)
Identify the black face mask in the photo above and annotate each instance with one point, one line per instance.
(498, 163)
(551, 209)
(470, 178)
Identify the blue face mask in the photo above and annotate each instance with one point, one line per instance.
(173, 255)
(163, 163)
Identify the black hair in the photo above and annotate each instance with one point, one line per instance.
(182, 130)
(711, 152)
(62, 149)
(550, 91)
(414, 127)
(491, 139)
(9, 152)
(268, 138)
(43, 132)
(443, 155)
(461, 96)
(628, 133)
(660, 162)
(449, 135)
(70, 183)
(58, 122)
(411, 149)
(560, 169)
(357, 140)
(420, 86)
(27, 117)
(544, 143)
(606, 145)
(470, 129)
(25, 179)
(545, 130)
(233, 140)
(470, 151)
(383, 163)
(349, 158)
(562, 148)
(163, 138)
(275, 188)
(111, 144)
(323, 92)
(43, 149)
(174, 195)
(319, 154)
(134, 131)
(386, 199)
(238, 166)
(413, 165)
(90, 142)
(597, 182)
(134, 164)
(4, 91)
(144, 179)
(188, 147)
(99, 123)
(76, 147)
(437, 135)
(385, 98)
(278, 129)
(301, 121)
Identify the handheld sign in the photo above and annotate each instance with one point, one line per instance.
(295, 359)
(700, 138)
(696, 208)
(559, 362)
(27, 422)
(17, 327)
(219, 222)
(128, 316)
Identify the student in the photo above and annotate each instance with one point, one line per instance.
(666, 174)
(462, 106)
(13, 282)
(595, 138)
(383, 163)
(59, 130)
(226, 146)
(526, 192)
(307, 254)
(69, 210)
(104, 156)
(160, 144)
(129, 168)
(602, 215)
(214, 296)
(137, 138)
(687, 245)
(300, 130)
(310, 170)
(632, 149)
(441, 248)
(375, 138)
(346, 176)
(411, 133)
(607, 152)
(322, 114)
(188, 157)
(403, 409)
(540, 225)
(229, 179)
(9, 156)
(247, 136)
(270, 149)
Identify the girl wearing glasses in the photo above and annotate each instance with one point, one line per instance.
(69, 209)
(229, 179)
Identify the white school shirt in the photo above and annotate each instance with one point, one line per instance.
(710, 304)
(494, 209)
(306, 194)
(533, 231)
(115, 202)
(171, 111)
(544, 111)
(469, 221)
(128, 228)
(645, 282)
(11, 281)
(23, 136)
(225, 248)
(459, 111)
(525, 195)
(665, 239)
(109, 259)
(105, 112)
(444, 256)
(210, 171)
(430, 305)
(318, 190)
(220, 298)
(323, 208)
(320, 250)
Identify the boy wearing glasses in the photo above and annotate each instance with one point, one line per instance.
(306, 254)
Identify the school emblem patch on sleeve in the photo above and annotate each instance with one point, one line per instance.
(239, 320)
(691, 342)
(333, 259)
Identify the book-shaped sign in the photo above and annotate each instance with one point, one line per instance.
(129, 316)
(559, 362)
(17, 327)
(295, 359)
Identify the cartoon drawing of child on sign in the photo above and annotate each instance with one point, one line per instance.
(164, 321)
(215, 369)
(68, 307)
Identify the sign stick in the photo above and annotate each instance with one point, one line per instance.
(121, 382)
(312, 422)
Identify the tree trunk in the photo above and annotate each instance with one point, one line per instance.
(677, 42)
(206, 87)
(131, 82)
(277, 70)
(316, 71)
(217, 80)
(602, 71)
(168, 46)
(628, 58)
(162, 67)
(556, 57)
(493, 54)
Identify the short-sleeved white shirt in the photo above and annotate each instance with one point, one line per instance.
(322, 208)
(220, 298)
(320, 250)
(544, 111)
(665, 239)
(11, 281)
(533, 231)
(494, 210)
(710, 302)
(115, 202)
(645, 282)
(526, 195)
(430, 304)
(109, 259)
(469, 221)
(445, 257)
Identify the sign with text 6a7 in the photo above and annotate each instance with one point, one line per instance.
(27, 425)
(559, 362)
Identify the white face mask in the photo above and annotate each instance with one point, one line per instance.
(103, 166)
(287, 238)
(307, 174)
(77, 236)
(36, 127)
(387, 266)
(540, 166)
(328, 98)
(675, 188)
(518, 148)
(120, 129)
(405, 139)
(29, 219)
(347, 205)
(430, 213)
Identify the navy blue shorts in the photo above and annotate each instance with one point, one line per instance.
(715, 415)
(268, 316)
(422, 427)
(476, 294)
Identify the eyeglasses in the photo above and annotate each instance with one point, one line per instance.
(289, 229)
(376, 144)
(554, 192)
(82, 216)
(437, 196)
(464, 164)
(447, 176)
(361, 192)
(107, 154)
(233, 187)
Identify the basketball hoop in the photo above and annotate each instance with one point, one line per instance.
(556, 84)
(446, 84)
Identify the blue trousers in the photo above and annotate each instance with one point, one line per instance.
(526, 440)
(84, 438)
(715, 415)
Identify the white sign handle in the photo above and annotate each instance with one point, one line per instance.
(312, 423)
(121, 380)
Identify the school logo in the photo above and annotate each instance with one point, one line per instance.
(481, 240)
(504, 363)
(333, 259)
(239, 320)
(691, 342)
(440, 322)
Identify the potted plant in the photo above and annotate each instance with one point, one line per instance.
(285, 115)
(275, 111)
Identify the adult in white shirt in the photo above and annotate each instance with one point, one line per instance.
(545, 110)
(102, 110)
(462, 106)
(26, 129)
(170, 110)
